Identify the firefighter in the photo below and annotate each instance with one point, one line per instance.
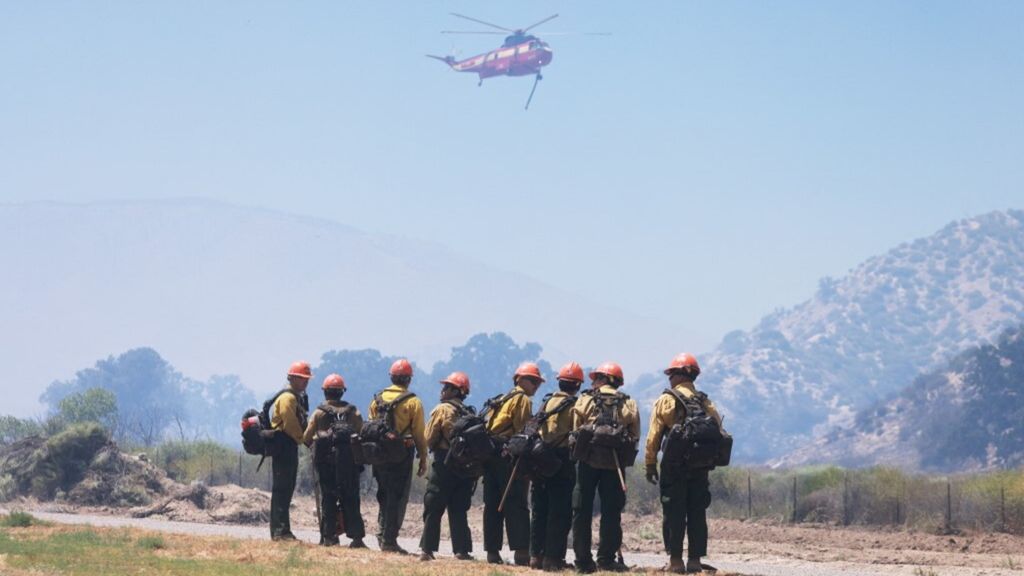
(445, 489)
(601, 472)
(507, 419)
(551, 498)
(329, 432)
(685, 493)
(394, 480)
(288, 421)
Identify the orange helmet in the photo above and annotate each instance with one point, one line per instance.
(334, 382)
(684, 362)
(300, 369)
(401, 367)
(458, 380)
(528, 369)
(610, 369)
(572, 372)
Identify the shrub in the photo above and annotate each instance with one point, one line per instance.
(19, 519)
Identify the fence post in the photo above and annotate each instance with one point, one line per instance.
(750, 498)
(239, 468)
(949, 505)
(1002, 508)
(846, 498)
(794, 499)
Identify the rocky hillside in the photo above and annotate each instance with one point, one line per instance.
(968, 415)
(806, 370)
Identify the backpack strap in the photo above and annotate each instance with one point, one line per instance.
(567, 402)
(389, 409)
(303, 409)
(498, 401)
(698, 401)
(461, 409)
(337, 412)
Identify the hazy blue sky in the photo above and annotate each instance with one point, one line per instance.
(709, 161)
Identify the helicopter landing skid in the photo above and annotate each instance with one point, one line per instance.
(536, 80)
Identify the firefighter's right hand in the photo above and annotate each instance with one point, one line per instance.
(652, 473)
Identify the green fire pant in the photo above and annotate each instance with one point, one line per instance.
(551, 500)
(685, 497)
(393, 483)
(340, 492)
(591, 482)
(515, 515)
(285, 470)
(451, 493)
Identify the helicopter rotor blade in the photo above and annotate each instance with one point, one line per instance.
(546, 34)
(471, 32)
(532, 26)
(464, 17)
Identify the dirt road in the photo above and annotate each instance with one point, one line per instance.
(814, 553)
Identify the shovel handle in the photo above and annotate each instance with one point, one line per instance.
(511, 478)
(618, 468)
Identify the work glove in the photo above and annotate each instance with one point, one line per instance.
(422, 469)
(652, 473)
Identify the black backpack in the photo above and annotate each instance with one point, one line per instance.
(336, 445)
(258, 438)
(697, 442)
(379, 442)
(340, 431)
(605, 444)
(472, 445)
(537, 456)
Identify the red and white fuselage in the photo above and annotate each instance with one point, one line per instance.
(523, 56)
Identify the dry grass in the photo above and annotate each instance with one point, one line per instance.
(86, 551)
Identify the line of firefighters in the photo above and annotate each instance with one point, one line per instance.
(561, 497)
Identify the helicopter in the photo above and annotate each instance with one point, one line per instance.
(521, 54)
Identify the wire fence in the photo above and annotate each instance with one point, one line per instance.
(986, 501)
(992, 501)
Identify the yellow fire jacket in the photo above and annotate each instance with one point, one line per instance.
(288, 416)
(555, 430)
(512, 416)
(439, 427)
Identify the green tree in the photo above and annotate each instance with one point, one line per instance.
(149, 392)
(13, 429)
(490, 360)
(92, 405)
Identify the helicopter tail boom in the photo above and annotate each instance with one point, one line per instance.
(449, 60)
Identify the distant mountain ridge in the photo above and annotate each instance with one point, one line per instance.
(968, 415)
(805, 370)
(224, 289)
